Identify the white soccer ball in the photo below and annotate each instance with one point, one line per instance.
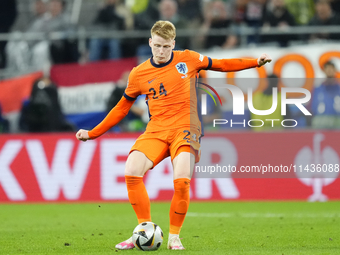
(147, 236)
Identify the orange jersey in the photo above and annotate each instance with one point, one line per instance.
(170, 97)
(170, 89)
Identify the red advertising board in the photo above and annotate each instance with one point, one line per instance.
(57, 167)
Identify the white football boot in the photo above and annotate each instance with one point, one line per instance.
(174, 243)
(126, 245)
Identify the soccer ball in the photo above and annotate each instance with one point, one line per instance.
(147, 236)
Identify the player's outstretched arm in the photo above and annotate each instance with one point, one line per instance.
(114, 117)
(238, 64)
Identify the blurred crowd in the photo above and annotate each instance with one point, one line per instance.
(113, 16)
(203, 16)
(42, 112)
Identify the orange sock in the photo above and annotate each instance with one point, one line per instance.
(179, 204)
(138, 197)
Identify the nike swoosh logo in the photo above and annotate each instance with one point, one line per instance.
(134, 204)
(179, 213)
(152, 80)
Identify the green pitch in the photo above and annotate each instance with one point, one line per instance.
(210, 228)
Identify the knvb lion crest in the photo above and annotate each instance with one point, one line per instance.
(182, 68)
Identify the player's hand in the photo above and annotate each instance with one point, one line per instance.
(82, 135)
(263, 59)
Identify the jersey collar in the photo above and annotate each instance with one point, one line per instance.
(164, 64)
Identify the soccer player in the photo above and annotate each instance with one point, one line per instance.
(174, 128)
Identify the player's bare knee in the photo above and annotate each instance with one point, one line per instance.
(182, 174)
(137, 164)
(134, 170)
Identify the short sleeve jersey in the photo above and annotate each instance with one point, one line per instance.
(170, 90)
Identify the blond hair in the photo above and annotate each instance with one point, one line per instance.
(164, 29)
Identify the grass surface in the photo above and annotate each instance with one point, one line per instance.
(210, 228)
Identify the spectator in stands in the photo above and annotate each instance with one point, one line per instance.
(168, 10)
(8, 14)
(278, 16)
(21, 55)
(263, 100)
(302, 10)
(190, 10)
(56, 20)
(138, 116)
(118, 91)
(238, 11)
(324, 16)
(255, 11)
(39, 8)
(216, 16)
(145, 13)
(4, 123)
(326, 100)
(335, 6)
(42, 112)
(62, 51)
(108, 19)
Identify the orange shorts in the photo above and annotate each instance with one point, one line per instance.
(159, 145)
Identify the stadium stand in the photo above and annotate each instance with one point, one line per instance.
(215, 26)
